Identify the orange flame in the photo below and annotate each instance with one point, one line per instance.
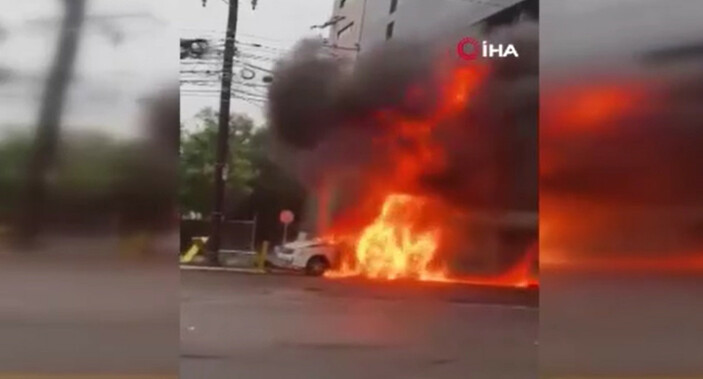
(402, 243)
(403, 239)
(590, 108)
(392, 247)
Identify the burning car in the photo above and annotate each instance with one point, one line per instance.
(314, 257)
(405, 150)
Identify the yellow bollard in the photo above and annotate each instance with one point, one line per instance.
(262, 255)
(198, 246)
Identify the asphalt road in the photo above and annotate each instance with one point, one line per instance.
(109, 319)
(618, 324)
(259, 326)
(87, 318)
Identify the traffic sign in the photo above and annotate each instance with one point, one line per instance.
(286, 217)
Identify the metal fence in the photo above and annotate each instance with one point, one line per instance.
(237, 235)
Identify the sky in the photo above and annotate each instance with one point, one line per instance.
(276, 24)
(120, 62)
(133, 56)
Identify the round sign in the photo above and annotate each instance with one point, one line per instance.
(286, 216)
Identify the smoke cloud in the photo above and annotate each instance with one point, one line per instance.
(325, 114)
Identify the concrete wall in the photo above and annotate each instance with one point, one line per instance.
(412, 19)
(418, 19)
(346, 34)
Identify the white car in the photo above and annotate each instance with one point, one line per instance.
(312, 256)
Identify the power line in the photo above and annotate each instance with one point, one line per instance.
(218, 44)
(252, 100)
(257, 96)
(256, 51)
(216, 93)
(209, 84)
(249, 35)
(258, 57)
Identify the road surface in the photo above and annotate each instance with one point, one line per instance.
(87, 318)
(618, 324)
(109, 319)
(264, 326)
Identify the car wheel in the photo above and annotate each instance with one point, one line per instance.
(316, 266)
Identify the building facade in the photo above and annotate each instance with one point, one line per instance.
(498, 237)
(365, 24)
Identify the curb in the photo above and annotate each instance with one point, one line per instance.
(87, 376)
(226, 269)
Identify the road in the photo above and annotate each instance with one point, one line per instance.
(264, 326)
(84, 317)
(619, 324)
(96, 319)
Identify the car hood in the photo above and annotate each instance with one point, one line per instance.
(301, 244)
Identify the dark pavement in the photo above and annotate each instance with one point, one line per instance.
(78, 317)
(263, 326)
(88, 317)
(619, 324)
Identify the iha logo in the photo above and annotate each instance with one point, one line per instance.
(470, 49)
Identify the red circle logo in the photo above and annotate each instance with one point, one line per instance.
(466, 44)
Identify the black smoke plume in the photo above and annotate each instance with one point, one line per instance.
(323, 112)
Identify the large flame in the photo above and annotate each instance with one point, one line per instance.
(402, 243)
(597, 210)
(394, 245)
(403, 237)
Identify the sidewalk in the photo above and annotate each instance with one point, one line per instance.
(241, 270)
(87, 376)
(244, 270)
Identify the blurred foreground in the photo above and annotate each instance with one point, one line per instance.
(79, 311)
(621, 191)
(289, 326)
(88, 150)
(620, 325)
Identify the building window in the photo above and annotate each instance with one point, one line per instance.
(389, 30)
(394, 5)
(341, 3)
(344, 29)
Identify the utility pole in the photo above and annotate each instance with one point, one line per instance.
(217, 216)
(47, 134)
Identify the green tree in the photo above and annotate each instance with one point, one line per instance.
(87, 167)
(13, 160)
(197, 160)
(274, 190)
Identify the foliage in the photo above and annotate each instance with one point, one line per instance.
(13, 158)
(274, 190)
(197, 162)
(84, 166)
(256, 185)
(95, 173)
